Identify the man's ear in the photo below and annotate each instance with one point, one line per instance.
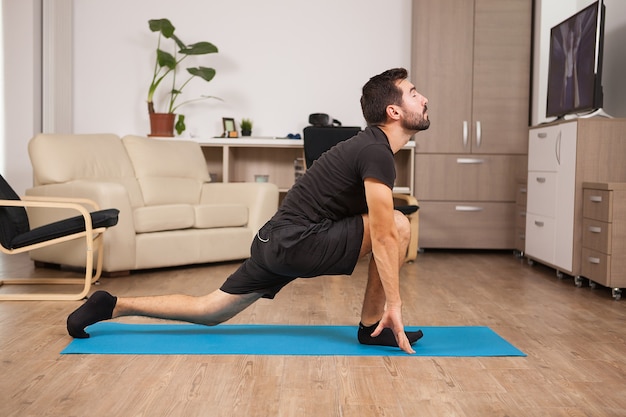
(393, 112)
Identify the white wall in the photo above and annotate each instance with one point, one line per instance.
(20, 81)
(547, 14)
(279, 60)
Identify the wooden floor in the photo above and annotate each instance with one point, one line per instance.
(575, 339)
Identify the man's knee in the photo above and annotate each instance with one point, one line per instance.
(403, 224)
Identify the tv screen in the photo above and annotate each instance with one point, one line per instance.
(575, 64)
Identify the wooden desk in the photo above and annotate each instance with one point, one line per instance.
(240, 159)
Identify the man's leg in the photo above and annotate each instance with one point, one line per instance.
(374, 299)
(210, 309)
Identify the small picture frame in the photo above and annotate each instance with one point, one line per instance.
(230, 131)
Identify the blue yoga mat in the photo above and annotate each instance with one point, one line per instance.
(190, 339)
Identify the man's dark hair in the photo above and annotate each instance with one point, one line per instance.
(379, 92)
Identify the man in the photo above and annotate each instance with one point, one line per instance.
(340, 210)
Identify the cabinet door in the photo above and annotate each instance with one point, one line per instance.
(441, 70)
(471, 59)
(565, 197)
(501, 85)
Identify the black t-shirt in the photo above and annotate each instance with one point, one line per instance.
(332, 188)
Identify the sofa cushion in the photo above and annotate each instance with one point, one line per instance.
(168, 171)
(165, 217)
(220, 215)
(60, 158)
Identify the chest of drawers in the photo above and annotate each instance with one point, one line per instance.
(604, 235)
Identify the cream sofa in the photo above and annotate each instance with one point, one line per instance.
(170, 212)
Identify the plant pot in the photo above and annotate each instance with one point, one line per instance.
(246, 132)
(162, 124)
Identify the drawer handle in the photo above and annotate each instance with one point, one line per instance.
(593, 260)
(542, 135)
(468, 208)
(541, 180)
(469, 160)
(595, 198)
(538, 223)
(523, 190)
(595, 229)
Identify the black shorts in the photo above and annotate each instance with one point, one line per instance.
(284, 251)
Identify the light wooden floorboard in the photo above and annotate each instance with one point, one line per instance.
(574, 338)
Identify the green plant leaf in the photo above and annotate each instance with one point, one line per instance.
(205, 73)
(199, 48)
(165, 59)
(162, 25)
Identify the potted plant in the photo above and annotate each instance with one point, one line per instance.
(166, 63)
(246, 127)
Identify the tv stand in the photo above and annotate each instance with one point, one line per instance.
(595, 113)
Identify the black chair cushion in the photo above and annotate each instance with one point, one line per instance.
(406, 210)
(65, 227)
(13, 220)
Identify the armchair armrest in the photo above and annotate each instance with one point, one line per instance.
(407, 199)
(53, 203)
(119, 247)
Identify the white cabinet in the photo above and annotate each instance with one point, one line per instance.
(551, 191)
(560, 157)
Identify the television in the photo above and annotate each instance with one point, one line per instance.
(575, 63)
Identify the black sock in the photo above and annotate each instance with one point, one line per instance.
(97, 308)
(385, 338)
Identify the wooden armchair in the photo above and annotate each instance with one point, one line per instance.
(16, 236)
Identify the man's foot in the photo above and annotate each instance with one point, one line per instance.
(97, 308)
(385, 338)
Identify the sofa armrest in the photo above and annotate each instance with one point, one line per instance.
(260, 198)
(119, 251)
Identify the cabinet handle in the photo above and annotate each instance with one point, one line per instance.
(557, 148)
(523, 190)
(468, 208)
(542, 135)
(465, 133)
(595, 229)
(593, 260)
(479, 134)
(538, 223)
(541, 180)
(595, 198)
(469, 160)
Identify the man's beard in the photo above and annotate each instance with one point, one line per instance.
(417, 123)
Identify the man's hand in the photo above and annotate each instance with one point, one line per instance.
(392, 319)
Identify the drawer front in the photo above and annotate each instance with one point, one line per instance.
(597, 235)
(467, 225)
(540, 237)
(596, 266)
(467, 177)
(544, 145)
(542, 193)
(597, 204)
